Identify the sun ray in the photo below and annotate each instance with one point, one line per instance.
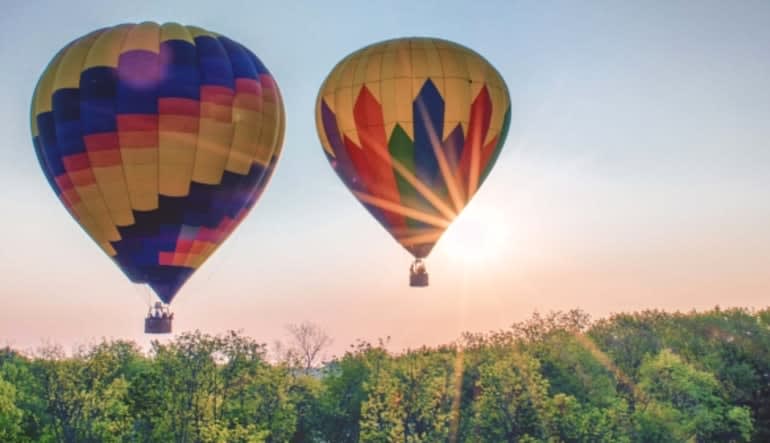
(457, 394)
(402, 210)
(420, 187)
(426, 237)
(449, 177)
(605, 360)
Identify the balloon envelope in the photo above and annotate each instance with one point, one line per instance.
(158, 139)
(413, 127)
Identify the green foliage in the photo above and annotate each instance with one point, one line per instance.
(689, 401)
(85, 399)
(641, 377)
(17, 371)
(572, 421)
(10, 414)
(343, 392)
(382, 412)
(567, 359)
(512, 399)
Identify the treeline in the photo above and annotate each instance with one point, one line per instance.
(643, 377)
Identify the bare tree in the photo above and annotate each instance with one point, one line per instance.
(283, 353)
(308, 341)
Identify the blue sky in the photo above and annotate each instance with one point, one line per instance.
(635, 175)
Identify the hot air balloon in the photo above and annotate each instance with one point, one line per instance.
(158, 140)
(413, 126)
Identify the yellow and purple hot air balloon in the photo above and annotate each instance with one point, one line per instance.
(413, 126)
(158, 139)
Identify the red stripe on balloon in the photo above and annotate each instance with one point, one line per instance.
(137, 122)
(103, 149)
(267, 81)
(197, 247)
(166, 258)
(478, 126)
(136, 140)
(217, 103)
(179, 123)
(206, 234)
(269, 89)
(183, 246)
(486, 154)
(367, 114)
(101, 142)
(67, 191)
(219, 95)
(71, 198)
(138, 130)
(252, 102)
(223, 229)
(178, 106)
(83, 177)
(248, 93)
(247, 86)
(358, 160)
(63, 182)
(103, 159)
(76, 162)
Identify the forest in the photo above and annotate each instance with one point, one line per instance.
(648, 376)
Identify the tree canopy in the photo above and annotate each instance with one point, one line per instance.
(634, 377)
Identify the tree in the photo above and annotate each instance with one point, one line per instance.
(86, 394)
(639, 377)
(219, 388)
(572, 421)
(19, 371)
(512, 401)
(304, 394)
(568, 358)
(308, 343)
(10, 414)
(382, 413)
(628, 338)
(688, 402)
(427, 386)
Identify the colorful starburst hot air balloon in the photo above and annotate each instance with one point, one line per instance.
(413, 126)
(158, 139)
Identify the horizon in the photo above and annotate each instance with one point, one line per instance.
(631, 178)
(276, 346)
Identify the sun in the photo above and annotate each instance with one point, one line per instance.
(478, 236)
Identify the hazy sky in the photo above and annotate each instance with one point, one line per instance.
(636, 175)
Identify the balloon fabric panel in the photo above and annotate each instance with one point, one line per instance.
(158, 140)
(413, 127)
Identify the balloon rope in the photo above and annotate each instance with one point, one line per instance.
(143, 292)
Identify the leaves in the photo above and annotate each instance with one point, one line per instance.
(639, 377)
(10, 414)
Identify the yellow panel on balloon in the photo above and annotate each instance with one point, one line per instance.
(214, 141)
(107, 48)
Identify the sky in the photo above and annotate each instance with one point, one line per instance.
(636, 175)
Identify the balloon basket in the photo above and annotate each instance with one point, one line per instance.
(418, 275)
(158, 320)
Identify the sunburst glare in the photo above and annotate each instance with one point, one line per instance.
(478, 236)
